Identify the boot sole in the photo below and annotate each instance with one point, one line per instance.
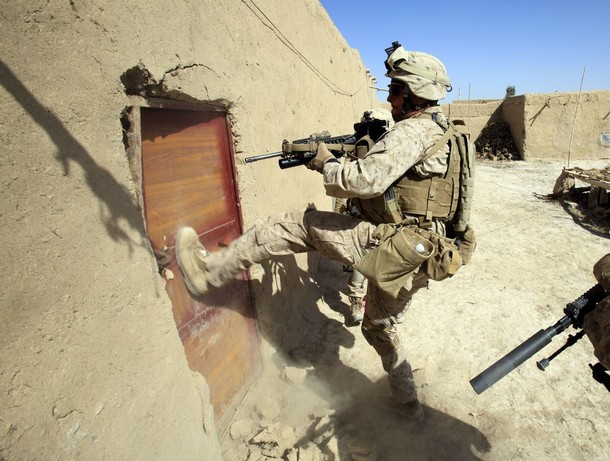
(186, 241)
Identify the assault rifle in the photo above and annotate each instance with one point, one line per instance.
(574, 315)
(301, 151)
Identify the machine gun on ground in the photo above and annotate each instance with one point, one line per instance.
(301, 151)
(574, 315)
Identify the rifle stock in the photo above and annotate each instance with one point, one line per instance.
(575, 312)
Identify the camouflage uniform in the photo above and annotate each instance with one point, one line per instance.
(597, 322)
(347, 239)
(356, 287)
(597, 327)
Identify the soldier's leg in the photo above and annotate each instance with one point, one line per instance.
(379, 327)
(356, 289)
(339, 237)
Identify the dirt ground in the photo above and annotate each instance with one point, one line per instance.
(534, 255)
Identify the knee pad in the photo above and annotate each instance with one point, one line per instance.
(383, 337)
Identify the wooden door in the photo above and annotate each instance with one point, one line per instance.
(188, 178)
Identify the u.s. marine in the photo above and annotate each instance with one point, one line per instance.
(408, 179)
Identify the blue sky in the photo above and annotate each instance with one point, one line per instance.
(537, 46)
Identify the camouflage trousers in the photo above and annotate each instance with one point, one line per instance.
(597, 327)
(341, 238)
(356, 288)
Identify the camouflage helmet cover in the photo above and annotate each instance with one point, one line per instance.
(378, 113)
(425, 74)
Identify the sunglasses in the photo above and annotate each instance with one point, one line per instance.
(396, 90)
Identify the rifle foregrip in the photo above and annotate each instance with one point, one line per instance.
(512, 360)
(584, 304)
(296, 160)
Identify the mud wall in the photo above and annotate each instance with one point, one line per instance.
(544, 126)
(473, 114)
(91, 364)
(512, 110)
(564, 126)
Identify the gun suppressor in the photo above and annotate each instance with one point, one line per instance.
(575, 312)
(515, 357)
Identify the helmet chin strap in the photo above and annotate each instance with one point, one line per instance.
(409, 106)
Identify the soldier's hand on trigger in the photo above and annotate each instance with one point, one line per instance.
(323, 155)
(601, 271)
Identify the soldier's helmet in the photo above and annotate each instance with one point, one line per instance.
(378, 113)
(424, 74)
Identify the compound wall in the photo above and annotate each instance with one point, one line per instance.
(569, 126)
(91, 363)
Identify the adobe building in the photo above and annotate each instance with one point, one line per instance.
(120, 123)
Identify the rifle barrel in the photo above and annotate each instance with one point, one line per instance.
(256, 158)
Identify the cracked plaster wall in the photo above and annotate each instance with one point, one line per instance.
(91, 366)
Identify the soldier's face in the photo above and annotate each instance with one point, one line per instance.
(396, 98)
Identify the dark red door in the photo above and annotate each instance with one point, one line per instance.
(188, 178)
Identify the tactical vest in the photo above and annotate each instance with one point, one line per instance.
(426, 199)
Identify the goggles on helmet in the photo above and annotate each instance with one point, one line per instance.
(399, 64)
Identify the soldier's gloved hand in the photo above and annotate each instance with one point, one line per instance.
(323, 155)
(601, 271)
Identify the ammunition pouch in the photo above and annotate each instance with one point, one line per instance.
(391, 265)
(446, 259)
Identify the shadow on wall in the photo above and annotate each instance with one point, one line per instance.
(116, 202)
(304, 337)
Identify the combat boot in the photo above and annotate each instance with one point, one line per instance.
(356, 310)
(191, 256)
(412, 411)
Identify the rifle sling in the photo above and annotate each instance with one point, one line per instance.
(440, 143)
